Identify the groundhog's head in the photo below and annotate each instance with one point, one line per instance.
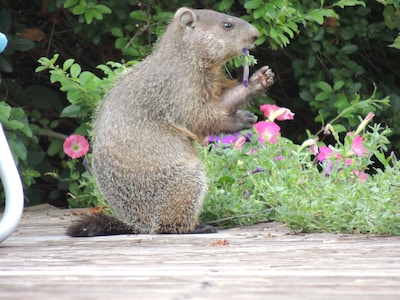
(212, 35)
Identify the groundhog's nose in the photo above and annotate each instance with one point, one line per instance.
(254, 33)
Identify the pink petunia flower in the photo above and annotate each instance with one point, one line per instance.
(267, 131)
(357, 147)
(349, 161)
(312, 146)
(240, 142)
(272, 112)
(360, 175)
(76, 146)
(324, 153)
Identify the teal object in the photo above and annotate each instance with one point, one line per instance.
(3, 42)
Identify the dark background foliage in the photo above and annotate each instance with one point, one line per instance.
(323, 55)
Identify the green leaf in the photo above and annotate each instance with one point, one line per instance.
(324, 86)
(38, 69)
(253, 4)
(5, 66)
(120, 43)
(75, 70)
(259, 12)
(103, 9)
(13, 124)
(343, 3)
(5, 111)
(55, 147)
(80, 9)
(321, 96)
(348, 33)
(68, 63)
(117, 32)
(316, 15)
(225, 5)
(338, 85)
(5, 21)
(138, 15)
(18, 149)
(71, 111)
(349, 49)
(86, 77)
(339, 128)
(89, 15)
(31, 173)
(26, 130)
(22, 44)
(70, 3)
(396, 43)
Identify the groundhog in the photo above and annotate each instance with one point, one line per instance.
(147, 126)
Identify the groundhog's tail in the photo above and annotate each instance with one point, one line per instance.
(98, 224)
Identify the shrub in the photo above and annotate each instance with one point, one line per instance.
(327, 55)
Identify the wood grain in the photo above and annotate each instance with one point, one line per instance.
(264, 261)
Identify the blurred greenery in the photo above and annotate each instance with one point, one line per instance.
(325, 54)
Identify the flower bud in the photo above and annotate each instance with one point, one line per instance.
(364, 123)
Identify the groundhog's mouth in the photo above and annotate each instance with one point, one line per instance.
(251, 46)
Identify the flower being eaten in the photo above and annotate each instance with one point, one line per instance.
(248, 60)
(246, 67)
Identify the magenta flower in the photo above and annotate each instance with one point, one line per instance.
(349, 161)
(240, 142)
(357, 147)
(267, 131)
(76, 146)
(272, 112)
(324, 153)
(360, 175)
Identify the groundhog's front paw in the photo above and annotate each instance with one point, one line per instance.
(262, 79)
(244, 120)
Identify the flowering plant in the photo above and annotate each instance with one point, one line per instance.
(76, 146)
(83, 191)
(259, 175)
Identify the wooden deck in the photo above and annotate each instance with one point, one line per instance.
(260, 262)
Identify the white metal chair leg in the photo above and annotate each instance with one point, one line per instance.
(13, 190)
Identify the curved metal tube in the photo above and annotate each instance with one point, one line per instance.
(13, 190)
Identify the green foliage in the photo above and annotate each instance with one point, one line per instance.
(15, 42)
(327, 55)
(84, 90)
(19, 136)
(279, 21)
(134, 25)
(87, 10)
(345, 53)
(82, 186)
(284, 182)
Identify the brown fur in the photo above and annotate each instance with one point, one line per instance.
(144, 154)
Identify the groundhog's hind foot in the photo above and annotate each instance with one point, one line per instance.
(97, 224)
(203, 228)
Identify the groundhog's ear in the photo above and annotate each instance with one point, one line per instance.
(186, 17)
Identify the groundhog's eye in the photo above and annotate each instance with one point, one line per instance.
(228, 25)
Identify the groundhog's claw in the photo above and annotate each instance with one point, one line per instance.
(244, 120)
(263, 78)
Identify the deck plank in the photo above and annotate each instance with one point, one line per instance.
(264, 261)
